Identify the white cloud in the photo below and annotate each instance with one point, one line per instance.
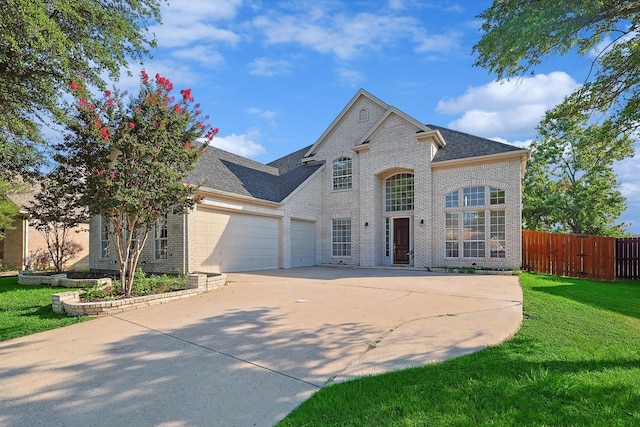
(243, 145)
(522, 144)
(269, 67)
(509, 108)
(440, 42)
(201, 53)
(343, 35)
(186, 12)
(180, 35)
(264, 114)
(349, 76)
(192, 29)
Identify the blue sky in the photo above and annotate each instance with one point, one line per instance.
(272, 75)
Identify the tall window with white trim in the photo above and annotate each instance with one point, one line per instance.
(341, 237)
(161, 239)
(469, 213)
(105, 240)
(342, 174)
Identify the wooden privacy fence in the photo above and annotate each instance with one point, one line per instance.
(628, 258)
(572, 255)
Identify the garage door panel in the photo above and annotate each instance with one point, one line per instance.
(228, 242)
(303, 244)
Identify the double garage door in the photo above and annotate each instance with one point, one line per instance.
(230, 241)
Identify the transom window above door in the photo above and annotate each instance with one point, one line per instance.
(399, 192)
(342, 173)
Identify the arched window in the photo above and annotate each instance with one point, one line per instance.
(342, 173)
(399, 192)
(364, 115)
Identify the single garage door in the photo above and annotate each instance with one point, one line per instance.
(229, 241)
(303, 243)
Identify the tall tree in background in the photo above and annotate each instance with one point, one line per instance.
(8, 210)
(519, 35)
(570, 185)
(55, 212)
(566, 183)
(45, 44)
(133, 155)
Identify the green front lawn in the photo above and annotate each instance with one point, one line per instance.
(575, 362)
(26, 310)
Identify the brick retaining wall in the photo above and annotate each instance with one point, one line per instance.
(69, 302)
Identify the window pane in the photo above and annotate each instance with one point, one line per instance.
(473, 234)
(399, 192)
(105, 243)
(451, 200)
(473, 196)
(496, 196)
(452, 232)
(342, 173)
(387, 237)
(161, 241)
(341, 238)
(498, 234)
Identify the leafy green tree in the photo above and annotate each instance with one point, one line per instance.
(132, 156)
(570, 185)
(519, 35)
(8, 209)
(57, 214)
(43, 46)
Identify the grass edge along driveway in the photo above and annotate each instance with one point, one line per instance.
(575, 362)
(25, 310)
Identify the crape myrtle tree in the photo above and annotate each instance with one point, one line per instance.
(55, 212)
(134, 154)
(43, 45)
(600, 119)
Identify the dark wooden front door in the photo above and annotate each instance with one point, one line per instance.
(401, 241)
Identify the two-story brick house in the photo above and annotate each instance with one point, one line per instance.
(378, 188)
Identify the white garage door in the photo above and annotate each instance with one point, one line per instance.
(303, 244)
(228, 241)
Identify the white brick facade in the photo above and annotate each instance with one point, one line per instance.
(381, 142)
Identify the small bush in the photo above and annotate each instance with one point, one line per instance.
(142, 285)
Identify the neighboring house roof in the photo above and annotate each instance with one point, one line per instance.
(461, 145)
(224, 171)
(22, 200)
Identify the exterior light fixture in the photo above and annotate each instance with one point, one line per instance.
(366, 224)
(422, 223)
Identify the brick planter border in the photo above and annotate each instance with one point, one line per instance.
(69, 302)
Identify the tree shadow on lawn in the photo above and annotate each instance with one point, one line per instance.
(616, 297)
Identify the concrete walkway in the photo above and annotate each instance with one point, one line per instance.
(247, 354)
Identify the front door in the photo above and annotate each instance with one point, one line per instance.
(401, 241)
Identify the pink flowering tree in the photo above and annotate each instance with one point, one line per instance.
(132, 155)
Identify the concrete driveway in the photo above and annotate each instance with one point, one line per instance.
(247, 354)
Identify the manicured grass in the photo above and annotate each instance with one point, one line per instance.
(26, 310)
(575, 362)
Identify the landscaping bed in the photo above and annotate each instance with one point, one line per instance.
(103, 302)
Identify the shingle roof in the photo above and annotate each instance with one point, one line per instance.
(224, 171)
(221, 170)
(461, 145)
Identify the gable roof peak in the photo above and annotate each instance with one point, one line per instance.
(359, 94)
